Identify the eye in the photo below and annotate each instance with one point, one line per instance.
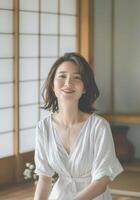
(78, 77)
(62, 76)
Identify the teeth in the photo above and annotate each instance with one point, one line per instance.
(68, 91)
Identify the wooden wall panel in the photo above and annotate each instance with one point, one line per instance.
(8, 169)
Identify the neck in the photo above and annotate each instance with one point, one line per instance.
(68, 115)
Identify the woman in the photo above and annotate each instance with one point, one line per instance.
(72, 140)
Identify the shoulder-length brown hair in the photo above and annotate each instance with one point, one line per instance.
(91, 90)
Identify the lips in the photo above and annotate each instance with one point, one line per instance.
(67, 91)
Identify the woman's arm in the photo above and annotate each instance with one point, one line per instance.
(94, 189)
(43, 188)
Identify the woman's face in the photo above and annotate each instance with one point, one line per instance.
(67, 84)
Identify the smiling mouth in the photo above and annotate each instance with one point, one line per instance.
(68, 91)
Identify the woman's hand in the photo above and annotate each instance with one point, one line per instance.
(94, 189)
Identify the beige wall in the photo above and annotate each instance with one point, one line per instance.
(117, 59)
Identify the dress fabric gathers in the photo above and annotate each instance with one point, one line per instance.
(91, 158)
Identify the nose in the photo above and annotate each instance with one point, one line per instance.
(68, 81)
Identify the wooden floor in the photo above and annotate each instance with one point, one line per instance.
(26, 192)
(20, 192)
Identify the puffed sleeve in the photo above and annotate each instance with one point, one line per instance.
(41, 160)
(105, 162)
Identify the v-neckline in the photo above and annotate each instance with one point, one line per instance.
(73, 148)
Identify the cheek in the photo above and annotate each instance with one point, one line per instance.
(57, 84)
(81, 87)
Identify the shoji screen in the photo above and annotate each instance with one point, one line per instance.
(28, 72)
(6, 79)
(48, 38)
(57, 32)
(47, 30)
(67, 26)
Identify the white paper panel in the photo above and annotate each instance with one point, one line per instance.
(67, 44)
(46, 64)
(28, 45)
(68, 6)
(127, 57)
(27, 140)
(49, 45)
(102, 53)
(29, 5)
(6, 70)
(29, 22)
(67, 25)
(28, 116)
(6, 98)
(6, 116)
(49, 5)
(28, 92)
(6, 25)
(28, 69)
(42, 83)
(49, 23)
(6, 46)
(6, 145)
(7, 4)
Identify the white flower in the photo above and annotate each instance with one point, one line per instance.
(27, 173)
(27, 164)
(31, 166)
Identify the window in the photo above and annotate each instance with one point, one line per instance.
(6, 79)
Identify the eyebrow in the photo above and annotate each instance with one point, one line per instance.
(64, 72)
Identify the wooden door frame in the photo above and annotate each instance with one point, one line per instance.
(84, 32)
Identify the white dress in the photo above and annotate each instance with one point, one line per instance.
(91, 158)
